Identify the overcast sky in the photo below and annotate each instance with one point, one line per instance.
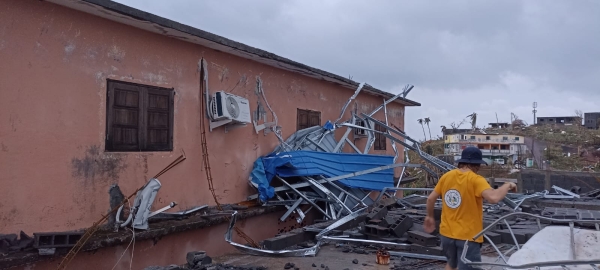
(462, 56)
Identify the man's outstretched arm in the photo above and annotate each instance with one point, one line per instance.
(496, 195)
(429, 224)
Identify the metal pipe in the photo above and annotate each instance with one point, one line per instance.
(312, 251)
(571, 225)
(360, 87)
(418, 256)
(405, 92)
(340, 222)
(344, 239)
(376, 169)
(344, 191)
(387, 123)
(495, 248)
(512, 234)
(384, 190)
(562, 190)
(493, 224)
(329, 195)
(352, 145)
(303, 196)
(316, 144)
(171, 205)
(290, 210)
(370, 136)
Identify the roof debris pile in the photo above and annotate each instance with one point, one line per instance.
(311, 171)
(10, 244)
(396, 225)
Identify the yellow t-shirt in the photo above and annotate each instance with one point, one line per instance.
(462, 210)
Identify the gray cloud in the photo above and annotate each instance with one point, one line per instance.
(463, 56)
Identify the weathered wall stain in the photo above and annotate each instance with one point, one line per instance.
(222, 71)
(116, 53)
(14, 120)
(97, 166)
(4, 147)
(115, 199)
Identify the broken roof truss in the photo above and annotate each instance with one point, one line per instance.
(337, 200)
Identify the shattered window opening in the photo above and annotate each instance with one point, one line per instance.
(139, 117)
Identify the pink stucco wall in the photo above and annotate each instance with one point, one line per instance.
(53, 69)
(170, 249)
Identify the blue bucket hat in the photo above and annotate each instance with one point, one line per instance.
(471, 155)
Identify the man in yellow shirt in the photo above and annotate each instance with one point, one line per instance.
(462, 191)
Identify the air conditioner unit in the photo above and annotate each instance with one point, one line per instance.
(360, 132)
(225, 106)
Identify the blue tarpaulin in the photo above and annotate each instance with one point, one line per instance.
(313, 163)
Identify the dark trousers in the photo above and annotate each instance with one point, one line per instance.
(453, 250)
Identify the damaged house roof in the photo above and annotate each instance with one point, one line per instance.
(143, 20)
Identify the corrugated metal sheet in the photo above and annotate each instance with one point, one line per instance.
(300, 140)
(312, 163)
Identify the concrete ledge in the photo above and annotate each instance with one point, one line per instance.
(103, 239)
(573, 203)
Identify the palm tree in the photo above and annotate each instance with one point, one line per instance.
(473, 117)
(427, 121)
(421, 122)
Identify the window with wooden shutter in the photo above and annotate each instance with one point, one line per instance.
(307, 118)
(380, 140)
(139, 117)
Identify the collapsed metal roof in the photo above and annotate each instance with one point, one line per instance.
(146, 21)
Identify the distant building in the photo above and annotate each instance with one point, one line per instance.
(449, 131)
(499, 125)
(558, 120)
(499, 148)
(591, 120)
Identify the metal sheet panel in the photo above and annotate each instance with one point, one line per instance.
(311, 163)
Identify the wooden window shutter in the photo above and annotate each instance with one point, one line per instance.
(159, 116)
(380, 140)
(124, 119)
(302, 119)
(139, 117)
(314, 118)
(307, 118)
(376, 143)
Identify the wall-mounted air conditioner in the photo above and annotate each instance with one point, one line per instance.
(359, 133)
(228, 109)
(226, 106)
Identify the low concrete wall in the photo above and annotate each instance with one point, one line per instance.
(539, 180)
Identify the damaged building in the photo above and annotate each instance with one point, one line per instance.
(98, 97)
(130, 141)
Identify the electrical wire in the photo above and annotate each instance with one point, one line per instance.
(205, 157)
(94, 228)
(132, 248)
(130, 242)
(274, 128)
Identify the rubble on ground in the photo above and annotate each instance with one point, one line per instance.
(217, 266)
(9, 243)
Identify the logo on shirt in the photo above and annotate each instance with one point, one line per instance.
(452, 198)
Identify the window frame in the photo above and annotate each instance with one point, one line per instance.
(380, 143)
(309, 113)
(144, 92)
